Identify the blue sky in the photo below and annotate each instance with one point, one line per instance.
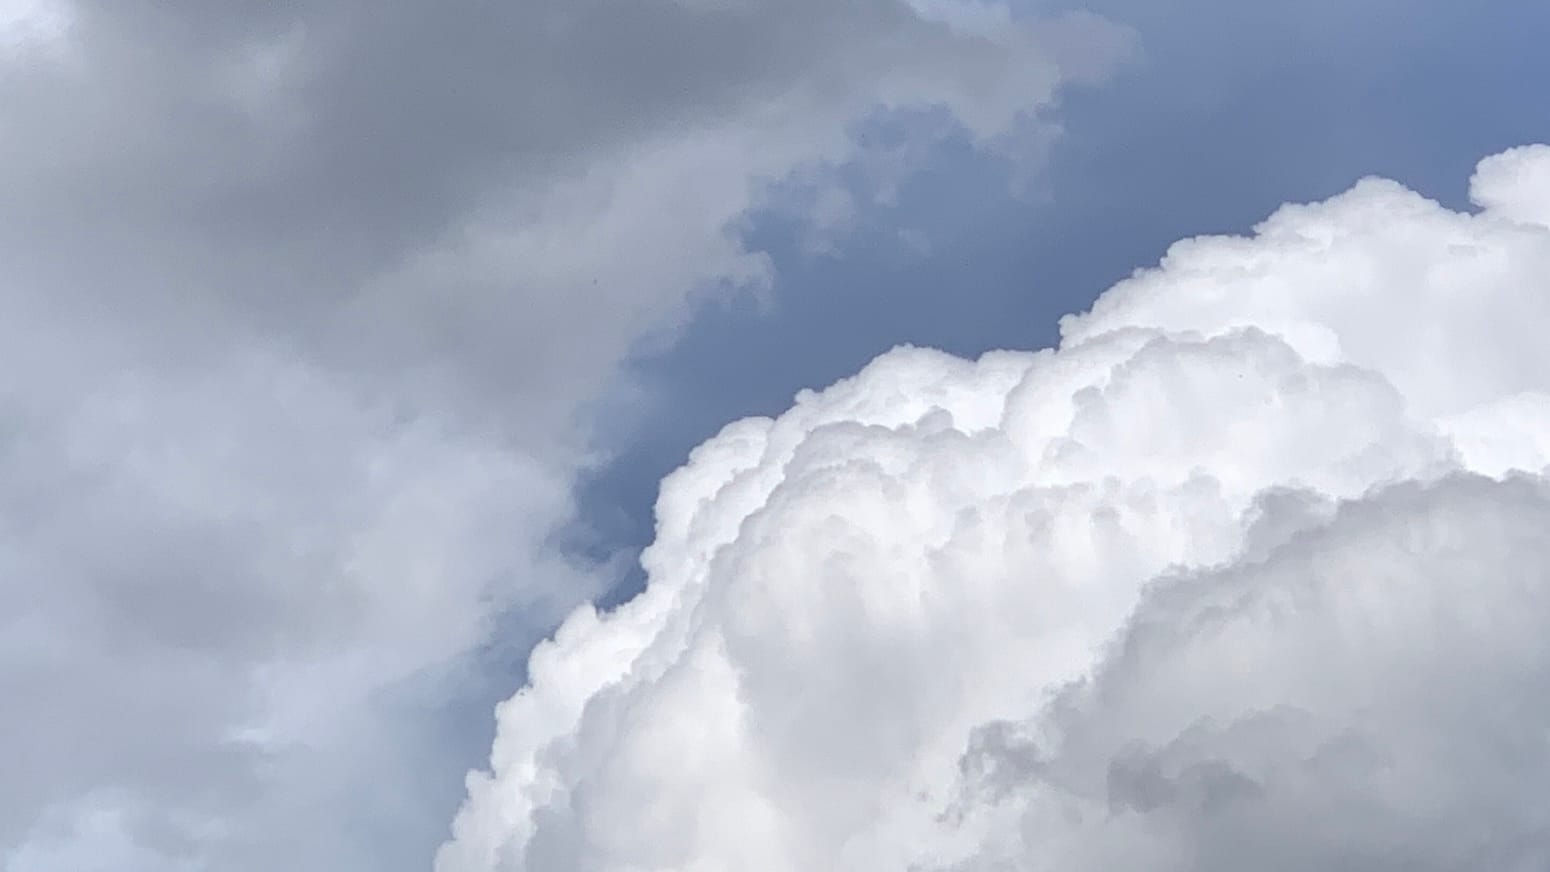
(1230, 110)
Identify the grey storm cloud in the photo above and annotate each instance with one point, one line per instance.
(301, 306)
(423, 187)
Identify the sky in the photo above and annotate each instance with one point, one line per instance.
(353, 349)
(1228, 110)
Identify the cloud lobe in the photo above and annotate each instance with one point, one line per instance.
(1247, 565)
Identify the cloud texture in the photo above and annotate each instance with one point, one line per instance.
(303, 306)
(1249, 571)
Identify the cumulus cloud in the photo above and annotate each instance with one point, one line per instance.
(303, 305)
(1247, 572)
(1365, 696)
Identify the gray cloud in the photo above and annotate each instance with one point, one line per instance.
(302, 306)
(1364, 698)
(414, 188)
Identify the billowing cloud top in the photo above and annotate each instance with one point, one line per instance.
(1250, 572)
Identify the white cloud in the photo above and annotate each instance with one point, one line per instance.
(1367, 696)
(1515, 185)
(861, 615)
(29, 24)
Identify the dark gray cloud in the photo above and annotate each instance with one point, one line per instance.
(419, 188)
(302, 305)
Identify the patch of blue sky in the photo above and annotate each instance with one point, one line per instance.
(1228, 110)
